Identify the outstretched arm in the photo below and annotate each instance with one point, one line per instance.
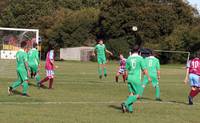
(158, 73)
(94, 53)
(186, 76)
(109, 52)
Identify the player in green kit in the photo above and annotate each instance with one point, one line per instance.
(153, 67)
(101, 50)
(134, 64)
(33, 62)
(22, 71)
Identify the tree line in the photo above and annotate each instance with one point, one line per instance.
(162, 24)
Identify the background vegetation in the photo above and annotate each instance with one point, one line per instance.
(162, 24)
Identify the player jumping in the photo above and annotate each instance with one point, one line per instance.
(153, 68)
(193, 72)
(101, 51)
(121, 70)
(134, 65)
(22, 71)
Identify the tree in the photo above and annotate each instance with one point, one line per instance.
(156, 20)
(162, 24)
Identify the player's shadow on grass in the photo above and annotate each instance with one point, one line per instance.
(146, 98)
(178, 102)
(34, 85)
(165, 101)
(31, 84)
(16, 92)
(44, 87)
(115, 107)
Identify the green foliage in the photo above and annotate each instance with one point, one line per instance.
(66, 22)
(77, 4)
(162, 24)
(75, 29)
(23, 13)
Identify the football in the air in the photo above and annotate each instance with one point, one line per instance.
(134, 28)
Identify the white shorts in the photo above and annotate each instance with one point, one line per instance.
(121, 71)
(50, 74)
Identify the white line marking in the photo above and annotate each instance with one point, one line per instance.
(90, 102)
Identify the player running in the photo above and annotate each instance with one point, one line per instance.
(22, 71)
(193, 72)
(33, 62)
(153, 68)
(134, 65)
(50, 67)
(101, 51)
(121, 69)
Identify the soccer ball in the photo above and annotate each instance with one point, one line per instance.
(134, 28)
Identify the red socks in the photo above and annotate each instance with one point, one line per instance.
(50, 83)
(193, 93)
(44, 80)
(124, 78)
(116, 78)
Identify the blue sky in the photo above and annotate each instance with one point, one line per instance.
(193, 2)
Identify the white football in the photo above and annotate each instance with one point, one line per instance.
(134, 28)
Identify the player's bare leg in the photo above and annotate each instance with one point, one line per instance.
(117, 77)
(43, 81)
(124, 76)
(51, 83)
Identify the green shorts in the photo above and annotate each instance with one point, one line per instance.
(33, 68)
(22, 74)
(101, 60)
(134, 87)
(154, 80)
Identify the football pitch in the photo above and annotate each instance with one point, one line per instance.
(79, 96)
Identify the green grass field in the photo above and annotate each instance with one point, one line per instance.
(80, 97)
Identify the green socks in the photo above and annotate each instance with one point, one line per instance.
(130, 100)
(37, 77)
(100, 71)
(130, 107)
(105, 72)
(157, 92)
(16, 84)
(25, 87)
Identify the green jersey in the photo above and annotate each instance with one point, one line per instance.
(134, 65)
(153, 65)
(33, 57)
(21, 58)
(100, 49)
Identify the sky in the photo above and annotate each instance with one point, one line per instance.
(193, 2)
